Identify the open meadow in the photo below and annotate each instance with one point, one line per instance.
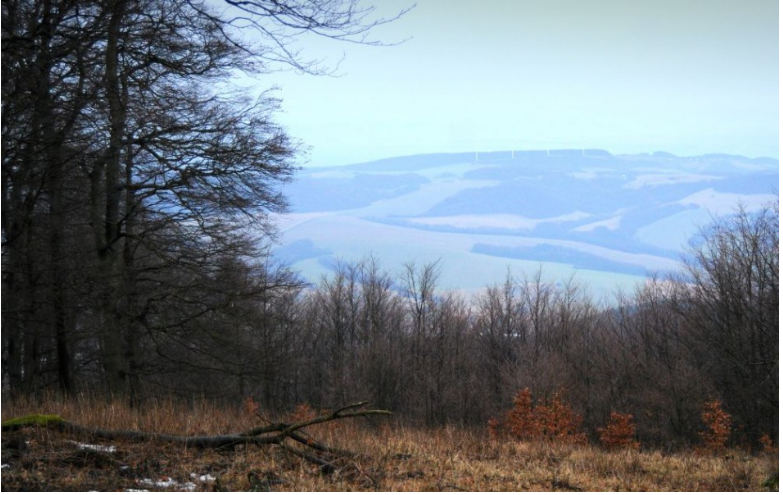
(387, 457)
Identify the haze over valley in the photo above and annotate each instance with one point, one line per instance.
(607, 220)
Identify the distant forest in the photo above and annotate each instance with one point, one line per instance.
(135, 264)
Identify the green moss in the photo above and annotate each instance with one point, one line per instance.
(772, 483)
(32, 420)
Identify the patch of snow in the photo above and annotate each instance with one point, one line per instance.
(653, 180)
(5, 466)
(422, 199)
(610, 224)
(204, 478)
(188, 486)
(719, 203)
(160, 483)
(287, 221)
(593, 173)
(498, 221)
(109, 449)
(585, 175)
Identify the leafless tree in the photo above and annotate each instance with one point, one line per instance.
(122, 99)
(730, 299)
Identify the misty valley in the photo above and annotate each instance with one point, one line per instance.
(608, 220)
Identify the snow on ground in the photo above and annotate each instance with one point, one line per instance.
(718, 203)
(168, 484)
(653, 180)
(592, 173)
(425, 197)
(287, 221)
(109, 449)
(610, 223)
(497, 221)
(204, 478)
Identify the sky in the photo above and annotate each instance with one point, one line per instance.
(629, 76)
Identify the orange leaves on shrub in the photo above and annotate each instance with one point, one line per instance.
(767, 445)
(718, 426)
(619, 432)
(557, 421)
(550, 420)
(251, 406)
(521, 420)
(302, 412)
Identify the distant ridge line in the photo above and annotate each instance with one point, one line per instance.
(416, 161)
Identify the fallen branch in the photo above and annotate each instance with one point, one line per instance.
(318, 446)
(325, 466)
(273, 434)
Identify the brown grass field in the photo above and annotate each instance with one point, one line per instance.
(389, 458)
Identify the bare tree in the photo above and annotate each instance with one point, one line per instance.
(730, 298)
(121, 98)
(501, 330)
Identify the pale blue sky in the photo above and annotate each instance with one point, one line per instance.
(629, 76)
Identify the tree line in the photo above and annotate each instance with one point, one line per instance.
(135, 252)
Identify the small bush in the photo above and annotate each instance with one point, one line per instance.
(550, 420)
(619, 432)
(251, 406)
(521, 420)
(767, 445)
(718, 426)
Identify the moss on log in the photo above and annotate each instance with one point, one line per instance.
(32, 420)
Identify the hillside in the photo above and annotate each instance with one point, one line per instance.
(609, 220)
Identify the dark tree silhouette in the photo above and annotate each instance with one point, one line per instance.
(130, 170)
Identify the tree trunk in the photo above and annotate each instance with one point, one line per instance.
(109, 235)
(129, 289)
(59, 296)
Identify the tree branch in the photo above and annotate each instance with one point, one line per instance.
(273, 434)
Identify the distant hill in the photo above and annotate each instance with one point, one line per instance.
(606, 219)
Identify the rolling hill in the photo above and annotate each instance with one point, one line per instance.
(607, 220)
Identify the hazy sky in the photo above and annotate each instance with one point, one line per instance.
(629, 76)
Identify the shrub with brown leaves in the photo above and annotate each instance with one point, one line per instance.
(619, 432)
(718, 426)
(550, 420)
(767, 445)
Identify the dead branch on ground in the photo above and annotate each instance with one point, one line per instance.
(272, 434)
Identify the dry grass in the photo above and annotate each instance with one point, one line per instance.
(392, 458)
